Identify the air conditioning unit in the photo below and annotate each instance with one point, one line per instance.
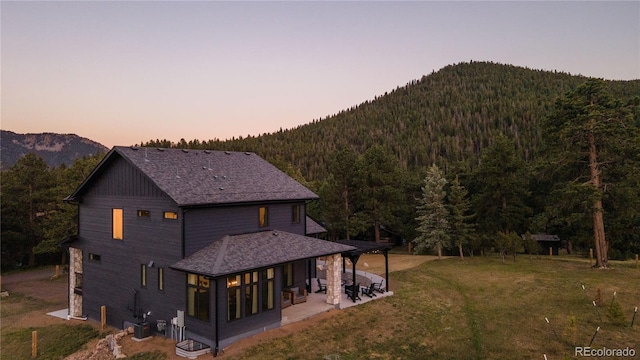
(142, 330)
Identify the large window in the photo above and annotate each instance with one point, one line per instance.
(198, 296)
(295, 214)
(267, 289)
(250, 293)
(263, 216)
(287, 275)
(233, 288)
(117, 222)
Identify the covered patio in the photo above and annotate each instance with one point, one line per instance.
(317, 303)
(364, 247)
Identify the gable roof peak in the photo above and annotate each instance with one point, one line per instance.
(209, 177)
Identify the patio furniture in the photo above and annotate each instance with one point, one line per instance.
(368, 290)
(378, 287)
(352, 291)
(322, 288)
(298, 295)
(286, 299)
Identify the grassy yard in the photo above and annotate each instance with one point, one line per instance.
(54, 341)
(478, 308)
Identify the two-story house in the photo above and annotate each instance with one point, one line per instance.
(212, 235)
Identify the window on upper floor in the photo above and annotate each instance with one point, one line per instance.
(117, 222)
(295, 214)
(263, 216)
(170, 215)
(144, 213)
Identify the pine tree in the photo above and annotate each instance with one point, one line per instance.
(460, 228)
(590, 126)
(433, 224)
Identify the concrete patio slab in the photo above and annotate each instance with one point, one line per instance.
(317, 303)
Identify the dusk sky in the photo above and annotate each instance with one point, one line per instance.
(124, 72)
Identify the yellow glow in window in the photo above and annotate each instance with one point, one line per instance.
(117, 224)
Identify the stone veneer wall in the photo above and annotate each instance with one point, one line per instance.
(75, 266)
(334, 276)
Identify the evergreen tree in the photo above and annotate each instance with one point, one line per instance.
(501, 183)
(433, 226)
(378, 181)
(62, 219)
(589, 126)
(458, 205)
(27, 199)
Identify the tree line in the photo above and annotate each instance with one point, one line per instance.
(515, 150)
(34, 218)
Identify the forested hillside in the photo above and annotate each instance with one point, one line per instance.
(504, 150)
(513, 140)
(446, 117)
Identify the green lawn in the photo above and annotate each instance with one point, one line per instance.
(54, 341)
(478, 308)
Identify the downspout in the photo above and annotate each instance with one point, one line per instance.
(215, 351)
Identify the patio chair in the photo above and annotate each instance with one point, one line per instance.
(352, 291)
(378, 287)
(322, 288)
(298, 295)
(286, 299)
(368, 290)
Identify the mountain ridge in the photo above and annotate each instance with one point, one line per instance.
(445, 117)
(55, 149)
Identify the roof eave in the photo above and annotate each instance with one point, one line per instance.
(226, 273)
(252, 202)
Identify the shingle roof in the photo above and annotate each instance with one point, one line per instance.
(543, 237)
(313, 227)
(203, 177)
(238, 253)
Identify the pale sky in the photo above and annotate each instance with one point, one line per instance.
(124, 72)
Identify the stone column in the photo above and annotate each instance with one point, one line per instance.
(334, 279)
(75, 266)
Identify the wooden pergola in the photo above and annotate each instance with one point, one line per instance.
(364, 247)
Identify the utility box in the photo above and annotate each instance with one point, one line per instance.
(141, 331)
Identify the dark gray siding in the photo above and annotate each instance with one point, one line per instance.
(115, 279)
(121, 179)
(205, 225)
